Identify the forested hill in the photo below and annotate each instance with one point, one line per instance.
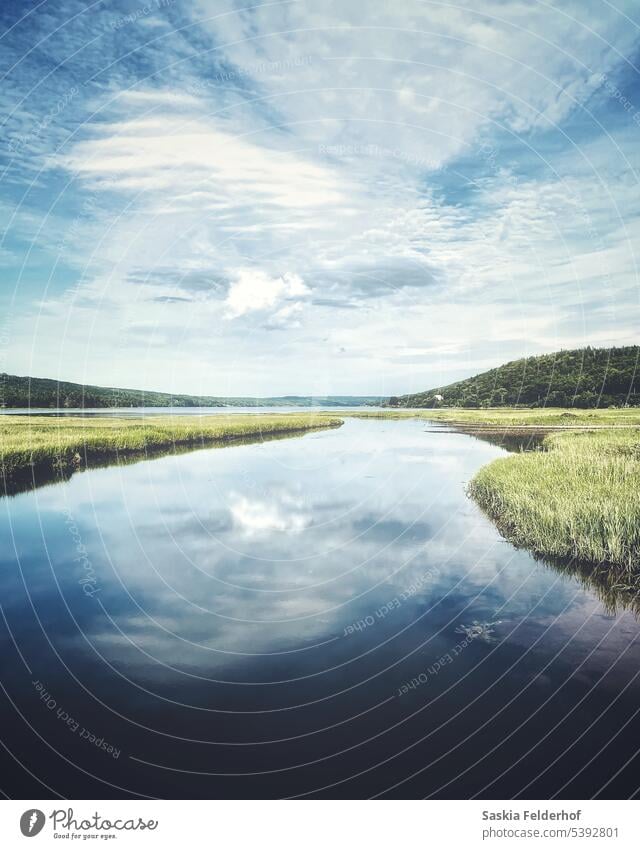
(586, 377)
(42, 392)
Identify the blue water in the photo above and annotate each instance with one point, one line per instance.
(327, 615)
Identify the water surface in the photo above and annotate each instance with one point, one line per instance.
(136, 412)
(327, 615)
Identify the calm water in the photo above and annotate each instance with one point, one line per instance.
(327, 615)
(170, 411)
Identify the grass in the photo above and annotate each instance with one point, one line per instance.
(545, 417)
(579, 498)
(507, 417)
(49, 441)
(576, 500)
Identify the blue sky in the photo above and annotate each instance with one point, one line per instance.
(314, 197)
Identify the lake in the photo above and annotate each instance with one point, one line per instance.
(327, 615)
(136, 412)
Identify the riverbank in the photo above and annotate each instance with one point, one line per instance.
(46, 443)
(497, 418)
(577, 498)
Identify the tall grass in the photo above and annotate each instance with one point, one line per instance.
(544, 417)
(47, 441)
(578, 498)
(548, 417)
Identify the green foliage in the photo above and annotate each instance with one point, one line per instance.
(539, 418)
(508, 418)
(48, 441)
(24, 392)
(41, 392)
(586, 377)
(580, 498)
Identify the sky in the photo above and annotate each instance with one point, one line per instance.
(314, 196)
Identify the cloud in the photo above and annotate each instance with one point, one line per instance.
(202, 162)
(420, 191)
(255, 291)
(423, 79)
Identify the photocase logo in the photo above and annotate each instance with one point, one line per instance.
(32, 822)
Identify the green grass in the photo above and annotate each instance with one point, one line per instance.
(48, 441)
(578, 498)
(507, 417)
(546, 417)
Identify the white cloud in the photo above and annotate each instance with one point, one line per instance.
(384, 184)
(254, 291)
(195, 156)
(422, 78)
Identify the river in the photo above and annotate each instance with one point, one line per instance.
(326, 615)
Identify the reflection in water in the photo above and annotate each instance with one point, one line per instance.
(616, 587)
(239, 623)
(283, 511)
(510, 440)
(33, 477)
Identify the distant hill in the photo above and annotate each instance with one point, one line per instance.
(586, 377)
(42, 392)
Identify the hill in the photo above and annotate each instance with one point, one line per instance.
(585, 377)
(18, 392)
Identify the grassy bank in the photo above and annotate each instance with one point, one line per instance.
(47, 441)
(547, 417)
(578, 498)
(504, 417)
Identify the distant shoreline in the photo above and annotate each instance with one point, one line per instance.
(23, 392)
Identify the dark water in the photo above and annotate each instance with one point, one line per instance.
(326, 615)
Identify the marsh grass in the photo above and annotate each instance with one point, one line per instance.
(47, 442)
(554, 417)
(579, 498)
(510, 417)
(28, 478)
